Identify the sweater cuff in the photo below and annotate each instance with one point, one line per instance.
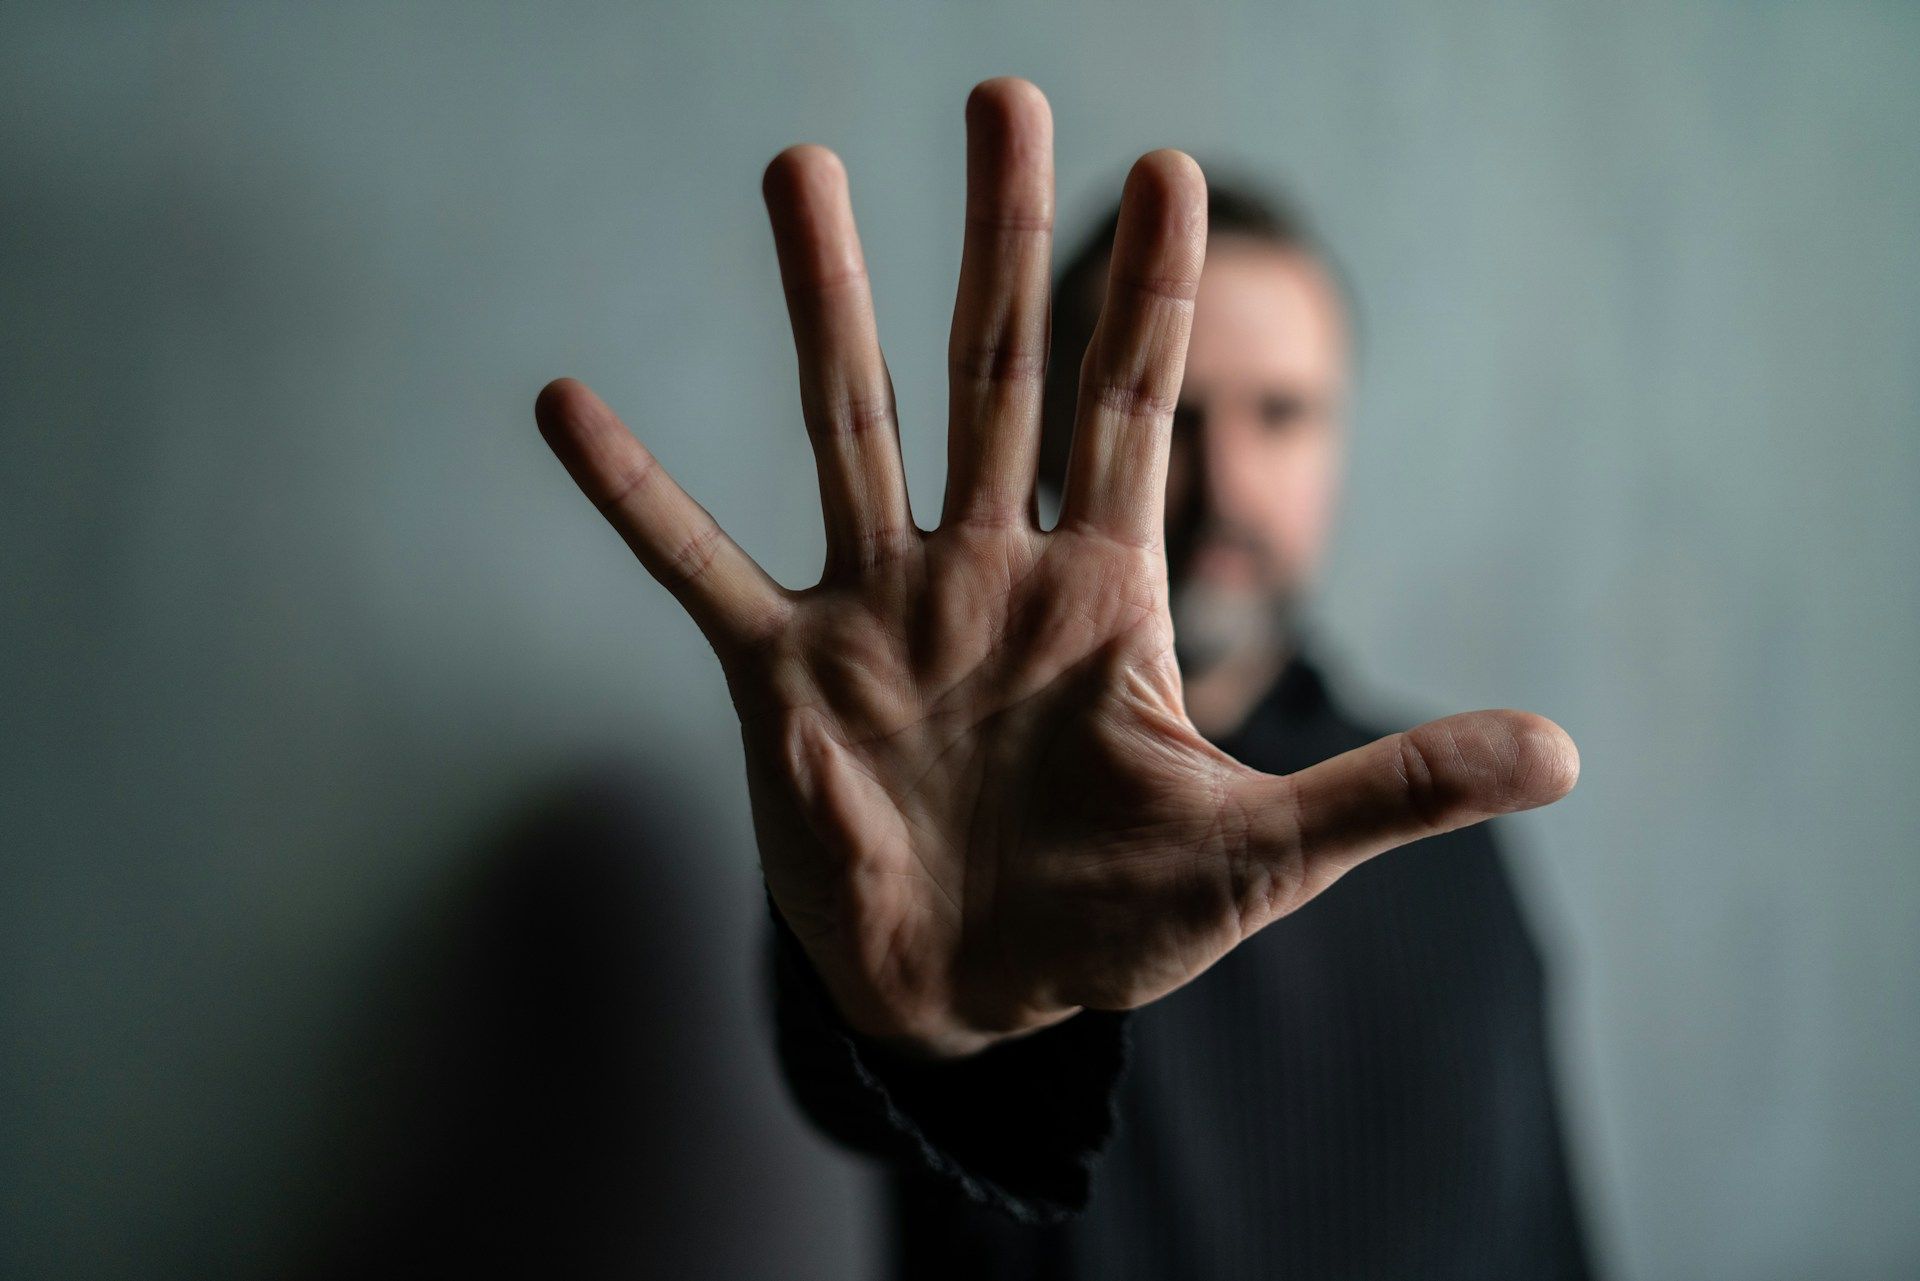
(1017, 1126)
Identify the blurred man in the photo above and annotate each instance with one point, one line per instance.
(1026, 814)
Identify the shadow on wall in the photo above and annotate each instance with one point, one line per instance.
(541, 1089)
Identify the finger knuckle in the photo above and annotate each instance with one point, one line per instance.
(851, 417)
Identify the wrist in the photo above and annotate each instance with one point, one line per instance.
(906, 1035)
(944, 1044)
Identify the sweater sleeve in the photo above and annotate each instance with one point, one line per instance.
(1018, 1126)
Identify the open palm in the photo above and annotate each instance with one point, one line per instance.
(979, 800)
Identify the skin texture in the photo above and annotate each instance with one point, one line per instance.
(979, 799)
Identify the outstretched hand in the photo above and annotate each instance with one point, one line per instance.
(979, 801)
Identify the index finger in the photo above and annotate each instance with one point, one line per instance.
(1130, 379)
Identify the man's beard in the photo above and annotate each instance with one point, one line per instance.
(1212, 623)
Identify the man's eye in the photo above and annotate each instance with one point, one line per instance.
(1281, 413)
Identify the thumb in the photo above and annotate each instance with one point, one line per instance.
(1306, 830)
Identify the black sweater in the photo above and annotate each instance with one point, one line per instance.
(1362, 1090)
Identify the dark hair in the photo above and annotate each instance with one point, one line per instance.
(1234, 208)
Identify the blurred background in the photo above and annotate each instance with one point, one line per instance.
(378, 882)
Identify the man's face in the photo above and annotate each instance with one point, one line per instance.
(1257, 448)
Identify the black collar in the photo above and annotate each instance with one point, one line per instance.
(1297, 697)
(1300, 690)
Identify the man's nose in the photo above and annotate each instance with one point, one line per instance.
(1200, 467)
(1216, 460)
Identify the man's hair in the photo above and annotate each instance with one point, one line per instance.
(1234, 209)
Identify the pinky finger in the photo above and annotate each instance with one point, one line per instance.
(720, 586)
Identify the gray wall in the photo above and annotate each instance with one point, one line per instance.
(298, 610)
